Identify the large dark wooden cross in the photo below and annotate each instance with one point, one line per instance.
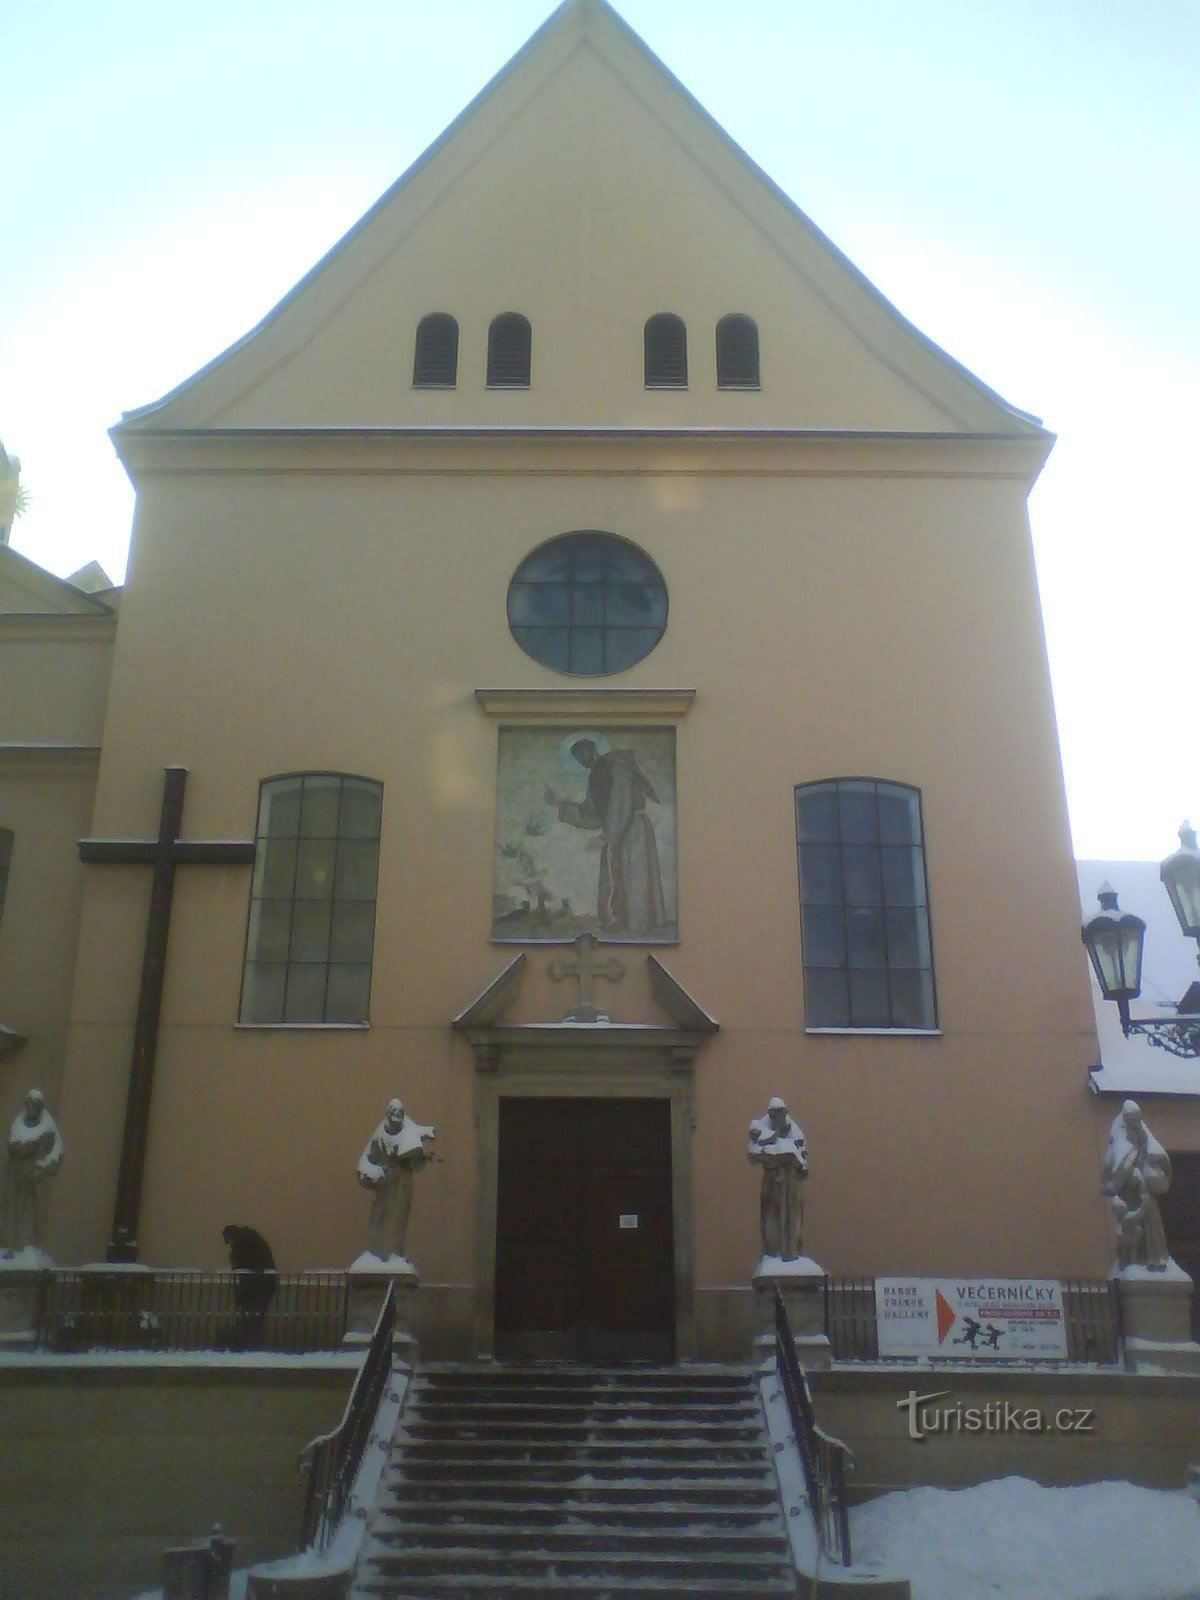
(163, 854)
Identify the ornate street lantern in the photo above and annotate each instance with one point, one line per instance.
(1180, 874)
(1114, 940)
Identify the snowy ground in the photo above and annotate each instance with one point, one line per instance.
(1013, 1540)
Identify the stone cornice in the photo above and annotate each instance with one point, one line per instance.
(640, 1045)
(586, 704)
(44, 752)
(56, 628)
(582, 451)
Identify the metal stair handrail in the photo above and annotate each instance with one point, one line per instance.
(823, 1457)
(331, 1461)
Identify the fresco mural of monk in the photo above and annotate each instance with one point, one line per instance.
(629, 897)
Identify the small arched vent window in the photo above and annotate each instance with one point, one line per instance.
(509, 339)
(737, 352)
(435, 357)
(666, 352)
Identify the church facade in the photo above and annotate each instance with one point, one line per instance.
(602, 641)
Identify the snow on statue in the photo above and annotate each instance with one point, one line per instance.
(35, 1152)
(1136, 1171)
(777, 1146)
(397, 1150)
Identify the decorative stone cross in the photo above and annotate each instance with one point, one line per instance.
(163, 854)
(586, 968)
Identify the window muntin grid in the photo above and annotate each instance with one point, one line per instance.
(310, 939)
(868, 954)
(587, 603)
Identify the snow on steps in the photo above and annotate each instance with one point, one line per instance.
(578, 1484)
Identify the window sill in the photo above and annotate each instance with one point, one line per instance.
(508, 386)
(445, 386)
(302, 1027)
(674, 388)
(879, 1033)
(739, 388)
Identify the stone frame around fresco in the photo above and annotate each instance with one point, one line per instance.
(553, 869)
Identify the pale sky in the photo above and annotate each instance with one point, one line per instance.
(1021, 180)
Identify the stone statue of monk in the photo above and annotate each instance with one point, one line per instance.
(35, 1153)
(396, 1152)
(777, 1146)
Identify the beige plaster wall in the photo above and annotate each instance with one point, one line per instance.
(1140, 1429)
(55, 672)
(146, 1458)
(867, 613)
(47, 802)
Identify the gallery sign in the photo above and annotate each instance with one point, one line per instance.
(983, 1319)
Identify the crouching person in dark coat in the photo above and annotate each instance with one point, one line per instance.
(250, 1257)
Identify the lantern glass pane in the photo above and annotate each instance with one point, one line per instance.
(1182, 880)
(1104, 947)
(1133, 937)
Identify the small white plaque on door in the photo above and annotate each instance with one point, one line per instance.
(627, 1219)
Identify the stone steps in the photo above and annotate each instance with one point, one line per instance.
(472, 1588)
(751, 1487)
(544, 1483)
(608, 1512)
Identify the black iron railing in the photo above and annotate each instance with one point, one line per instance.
(1091, 1312)
(332, 1460)
(823, 1457)
(145, 1309)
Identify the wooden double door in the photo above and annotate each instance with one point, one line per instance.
(1180, 1208)
(584, 1238)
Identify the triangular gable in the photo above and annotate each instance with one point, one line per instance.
(29, 590)
(331, 318)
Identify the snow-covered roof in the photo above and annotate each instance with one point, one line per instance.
(1133, 1066)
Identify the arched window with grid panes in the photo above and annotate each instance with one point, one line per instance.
(435, 353)
(737, 352)
(665, 347)
(868, 951)
(311, 933)
(510, 341)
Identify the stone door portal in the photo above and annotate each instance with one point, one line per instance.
(584, 1239)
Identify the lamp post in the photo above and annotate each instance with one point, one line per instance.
(1115, 938)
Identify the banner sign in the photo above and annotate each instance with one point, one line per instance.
(982, 1319)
